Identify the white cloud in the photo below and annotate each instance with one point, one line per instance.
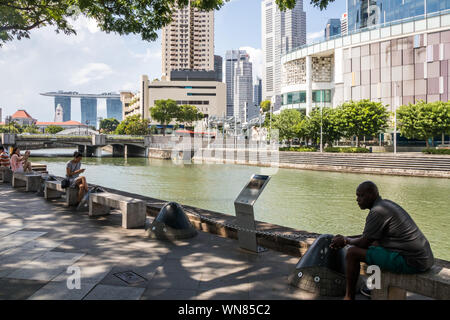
(256, 58)
(314, 35)
(91, 72)
(150, 54)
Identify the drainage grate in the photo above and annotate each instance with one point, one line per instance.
(130, 277)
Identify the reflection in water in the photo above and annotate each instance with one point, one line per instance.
(322, 202)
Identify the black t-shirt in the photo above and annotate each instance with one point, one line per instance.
(395, 230)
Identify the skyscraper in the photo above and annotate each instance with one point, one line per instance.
(281, 32)
(65, 103)
(243, 88)
(218, 67)
(332, 28)
(188, 41)
(88, 111)
(257, 92)
(114, 108)
(231, 57)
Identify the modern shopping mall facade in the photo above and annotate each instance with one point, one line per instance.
(395, 52)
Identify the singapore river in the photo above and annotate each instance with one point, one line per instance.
(314, 201)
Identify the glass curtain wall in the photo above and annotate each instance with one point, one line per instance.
(367, 13)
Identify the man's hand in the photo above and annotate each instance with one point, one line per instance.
(338, 242)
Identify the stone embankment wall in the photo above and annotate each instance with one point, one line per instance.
(407, 164)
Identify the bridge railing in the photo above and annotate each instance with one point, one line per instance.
(123, 137)
(50, 136)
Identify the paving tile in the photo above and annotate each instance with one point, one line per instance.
(18, 238)
(107, 292)
(154, 293)
(175, 280)
(46, 267)
(58, 290)
(15, 289)
(4, 231)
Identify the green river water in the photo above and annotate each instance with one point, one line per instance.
(315, 201)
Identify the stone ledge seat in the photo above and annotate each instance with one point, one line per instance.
(30, 181)
(5, 175)
(54, 190)
(434, 283)
(134, 211)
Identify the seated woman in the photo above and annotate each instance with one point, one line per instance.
(25, 163)
(16, 160)
(72, 173)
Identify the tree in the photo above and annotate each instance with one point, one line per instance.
(265, 105)
(188, 114)
(164, 112)
(109, 124)
(331, 125)
(287, 123)
(31, 129)
(19, 17)
(53, 129)
(363, 118)
(133, 125)
(424, 120)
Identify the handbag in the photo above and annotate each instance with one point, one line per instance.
(65, 183)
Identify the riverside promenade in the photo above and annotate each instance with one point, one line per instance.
(40, 239)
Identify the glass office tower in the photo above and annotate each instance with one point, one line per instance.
(89, 111)
(367, 13)
(114, 109)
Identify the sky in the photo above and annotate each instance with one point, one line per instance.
(95, 62)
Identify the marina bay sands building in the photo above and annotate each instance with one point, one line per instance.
(88, 104)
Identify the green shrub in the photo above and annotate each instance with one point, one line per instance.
(347, 150)
(299, 149)
(436, 151)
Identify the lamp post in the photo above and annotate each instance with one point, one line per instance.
(321, 120)
(397, 102)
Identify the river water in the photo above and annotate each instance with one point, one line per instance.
(315, 201)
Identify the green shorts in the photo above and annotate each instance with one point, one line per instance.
(388, 260)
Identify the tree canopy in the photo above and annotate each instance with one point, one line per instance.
(142, 17)
(134, 125)
(53, 129)
(265, 105)
(424, 120)
(287, 123)
(188, 114)
(331, 125)
(164, 111)
(109, 125)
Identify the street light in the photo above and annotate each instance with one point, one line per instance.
(397, 102)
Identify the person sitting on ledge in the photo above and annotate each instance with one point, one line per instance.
(4, 158)
(72, 173)
(391, 240)
(16, 160)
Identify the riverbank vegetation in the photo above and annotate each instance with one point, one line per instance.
(436, 151)
(361, 120)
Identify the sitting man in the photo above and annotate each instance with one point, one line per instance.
(400, 245)
(4, 158)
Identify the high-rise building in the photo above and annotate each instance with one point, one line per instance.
(257, 92)
(188, 41)
(218, 67)
(243, 88)
(89, 111)
(114, 108)
(59, 114)
(344, 24)
(332, 28)
(231, 58)
(281, 32)
(65, 103)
